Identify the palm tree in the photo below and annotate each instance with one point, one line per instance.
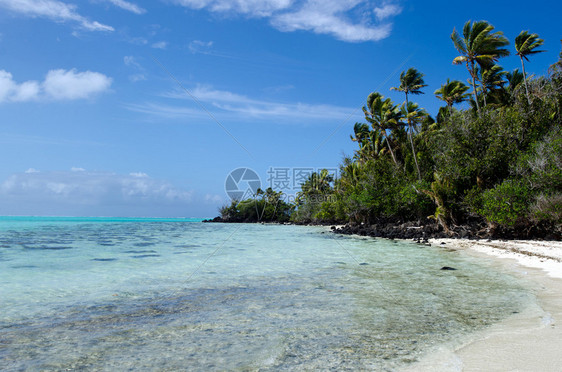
(478, 45)
(317, 183)
(411, 82)
(383, 114)
(452, 92)
(361, 131)
(413, 114)
(491, 78)
(371, 142)
(525, 45)
(514, 79)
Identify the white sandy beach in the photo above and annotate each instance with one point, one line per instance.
(529, 341)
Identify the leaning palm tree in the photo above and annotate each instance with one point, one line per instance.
(525, 45)
(452, 92)
(361, 131)
(370, 142)
(413, 114)
(411, 82)
(383, 114)
(478, 45)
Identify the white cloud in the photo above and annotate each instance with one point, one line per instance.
(80, 192)
(160, 45)
(61, 84)
(321, 21)
(12, 91)
(58, 85)
(77, 169)
(231, 106)
(31, 170)
(126, 5)
(387, 10)
(347, 20)
(53, 9)
(26, 91)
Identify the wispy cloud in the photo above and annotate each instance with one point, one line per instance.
(346, 20)
(198, 46)
(126, 5)
(256, 8)
(58, 85)
(166, 111)
(54, 10)
(232, 106)
(160, 45)
(139, 74)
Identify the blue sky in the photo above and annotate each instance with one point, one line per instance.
(142, 108)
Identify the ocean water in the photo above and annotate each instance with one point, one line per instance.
(149, 294)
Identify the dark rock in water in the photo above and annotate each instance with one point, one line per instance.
(447, 268)
(332, 228)
(363, 264)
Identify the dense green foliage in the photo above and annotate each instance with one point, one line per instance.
(498, 163)
(267, 206)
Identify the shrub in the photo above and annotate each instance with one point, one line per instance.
(506, 203)
(547, 209)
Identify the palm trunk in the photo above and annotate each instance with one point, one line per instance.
(390, 148)
(414, 151)
(412, 141)
(472, 74)
(525, 80)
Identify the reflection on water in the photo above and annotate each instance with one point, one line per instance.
(304, 302)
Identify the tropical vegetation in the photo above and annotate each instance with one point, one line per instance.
(496, 164)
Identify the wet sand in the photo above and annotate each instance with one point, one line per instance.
(528, 341)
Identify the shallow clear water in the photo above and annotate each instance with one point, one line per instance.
(167, 295)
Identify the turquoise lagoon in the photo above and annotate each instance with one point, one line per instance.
(158, 294)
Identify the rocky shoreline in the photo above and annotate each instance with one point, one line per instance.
(423, 230)
(429, 229)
